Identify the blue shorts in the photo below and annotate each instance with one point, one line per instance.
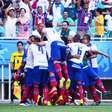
(58, 51)
(90, 76)
(28, 77)
(75, 73)
(40, 76)
(44, 77)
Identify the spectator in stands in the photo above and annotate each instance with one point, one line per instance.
(23, 25)
(15, 61)
(108, 19)
(39, 17)
(93, 6)
(65, 18)
(57, 10)
(66, 32)
(66, 3)
(99, 23)
(43, 3)
(27, 6)
(10, 23)
(16, 7)
(72, 10)
(84, 19)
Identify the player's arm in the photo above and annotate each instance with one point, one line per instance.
(42, 43)
(101, 53)
(73, 56)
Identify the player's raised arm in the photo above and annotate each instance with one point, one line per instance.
(101, 53)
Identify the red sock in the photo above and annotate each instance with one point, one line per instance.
(25, 94)
(36, 93)
(65, 70)
(31, 94)
(80, 90)
(58, 70)
(53, 81)
(100, 85)
(45, 93)
(94, 94)
(62, 92)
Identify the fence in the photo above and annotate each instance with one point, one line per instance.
(3, 82)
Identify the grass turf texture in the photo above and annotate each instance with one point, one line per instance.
(17, 108)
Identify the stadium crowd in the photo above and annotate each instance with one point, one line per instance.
(59, 62)
(18, 18)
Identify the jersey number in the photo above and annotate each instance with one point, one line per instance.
(79, 52)
(40, 49)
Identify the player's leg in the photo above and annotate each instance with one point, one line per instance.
(28, 85)
(78, 77)
(36, 81)
(44, 82)
(96, 78)
(56, 58)
(53, 82)
(94, 94)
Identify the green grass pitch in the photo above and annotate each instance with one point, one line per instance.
(17, 108)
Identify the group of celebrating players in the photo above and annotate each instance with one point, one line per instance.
(59, 73)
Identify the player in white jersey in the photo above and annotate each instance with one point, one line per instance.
(27, 65)
(40, 71)
(91, 70)
(75, 64)
(58, 57)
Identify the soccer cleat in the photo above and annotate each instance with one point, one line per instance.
(81, 102)
(61, 85)
(68, 82)
(49, 103)
(60, 99)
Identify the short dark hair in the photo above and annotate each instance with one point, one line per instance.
(77, 38)
(66, 22)
(19, 42)
(87, 37)
(99, 10)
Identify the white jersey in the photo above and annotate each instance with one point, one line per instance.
(93, 62)
(52, 35)
(78, 49)
(29, 59)
(39, 55)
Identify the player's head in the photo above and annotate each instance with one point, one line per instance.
(70, 40)
(77, 38)
(40, 27)
(86, 39)
(20, 45)
(34, 38)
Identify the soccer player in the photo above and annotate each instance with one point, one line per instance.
(15, 61)
(58, 56)
(92, 68)
(27, 65)
(40, 71)
(76, 48)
